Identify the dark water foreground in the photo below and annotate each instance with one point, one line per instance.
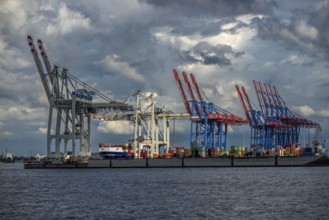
(161, 193)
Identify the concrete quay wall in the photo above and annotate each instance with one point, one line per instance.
(184, 162)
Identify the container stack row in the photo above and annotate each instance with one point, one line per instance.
(235, 151)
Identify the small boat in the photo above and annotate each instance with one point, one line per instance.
(108, 151)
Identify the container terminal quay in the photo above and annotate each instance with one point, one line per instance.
(274, 129)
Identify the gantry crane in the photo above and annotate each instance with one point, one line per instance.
(275, 124)
(208, 122)
(151, 126)
(70, 102)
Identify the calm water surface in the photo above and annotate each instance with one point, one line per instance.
(164, 193)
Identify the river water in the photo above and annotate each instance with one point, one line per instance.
(164, 193)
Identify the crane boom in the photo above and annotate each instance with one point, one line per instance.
(197, 90)
(261, 98)
(190, 91)
(243, 103)
(282, 104)
(275, 101)
(44, 56)
(188, 86)
(270, 103)
(249, 105)
(53, 75)
(196, 87)
(266, 98)
(39, 66)
(181, 91)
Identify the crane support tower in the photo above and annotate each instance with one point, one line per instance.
(70, 102)
(151, 126)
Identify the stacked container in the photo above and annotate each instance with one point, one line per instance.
(298, 152)
(284, 152)
(187, 152)
(242, 151)
(277, 151)
(143, 153)
(214, 152)
(223, 153)
(308, 151)
(293, 150)
(258, 151)
(251, 151)
(166, 155)
(232, 151)
(288, 150)
(194, 151)
(202, 152)
(321, 150)
(179, 152)
(171, 151)
(237, 151)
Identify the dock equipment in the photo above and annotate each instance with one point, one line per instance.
(70, 102)
(151, 125)
(275, 124)
(208, 122)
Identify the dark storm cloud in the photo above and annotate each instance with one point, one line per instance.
(207, 54)
(7, 92)
(272, 28)
(324, 84)
(133, 40)
(20, 88)
(236, 28)
(219, 8)
(320, 20)
(203, 27)
(306, 31)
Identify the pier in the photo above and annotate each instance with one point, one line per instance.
(182, 163)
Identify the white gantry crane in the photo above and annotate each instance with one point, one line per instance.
(72, 104)
(151, 126)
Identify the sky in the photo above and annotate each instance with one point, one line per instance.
(122, 46)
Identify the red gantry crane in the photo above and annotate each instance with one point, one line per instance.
(208, 122)
(275, 124)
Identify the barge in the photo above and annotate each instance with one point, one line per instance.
(189, 162)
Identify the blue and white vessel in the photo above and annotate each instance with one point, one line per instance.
(107, 151)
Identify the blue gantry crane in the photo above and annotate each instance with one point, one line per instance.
(275, 124)
(209, 122)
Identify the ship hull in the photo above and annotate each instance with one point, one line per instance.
(107, 151)
(115, 155)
